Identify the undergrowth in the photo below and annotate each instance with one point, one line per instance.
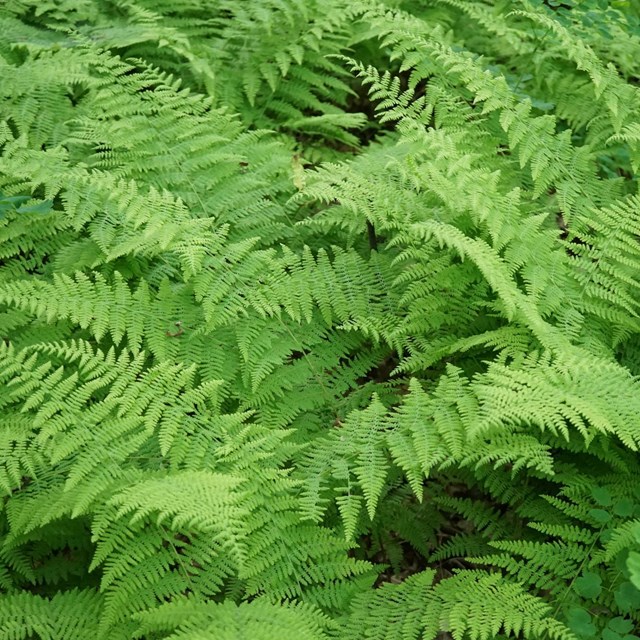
(319, 319)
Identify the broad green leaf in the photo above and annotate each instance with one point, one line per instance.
(589, 585)
(620, 625)
(623, 508)
(633, 565)
(40, 207)
(627, 597)
(579, 621)
(600, 515)
(602, 496)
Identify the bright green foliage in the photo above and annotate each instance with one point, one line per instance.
(319, 320)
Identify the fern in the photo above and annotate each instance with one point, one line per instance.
(319, 320)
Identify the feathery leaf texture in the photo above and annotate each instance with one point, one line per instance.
(319, 320)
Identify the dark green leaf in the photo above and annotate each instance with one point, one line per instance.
(627, 597)
(15, 199)
(623, 508)
(609, 634)
(579, 621)
(600, 515)
(589, 585)
(602, 496)
(620, 625)
(41, 207)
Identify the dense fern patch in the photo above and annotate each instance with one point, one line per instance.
(319, 319)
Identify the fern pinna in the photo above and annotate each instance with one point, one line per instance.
(319, 320)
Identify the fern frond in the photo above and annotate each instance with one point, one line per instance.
(71, 614)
